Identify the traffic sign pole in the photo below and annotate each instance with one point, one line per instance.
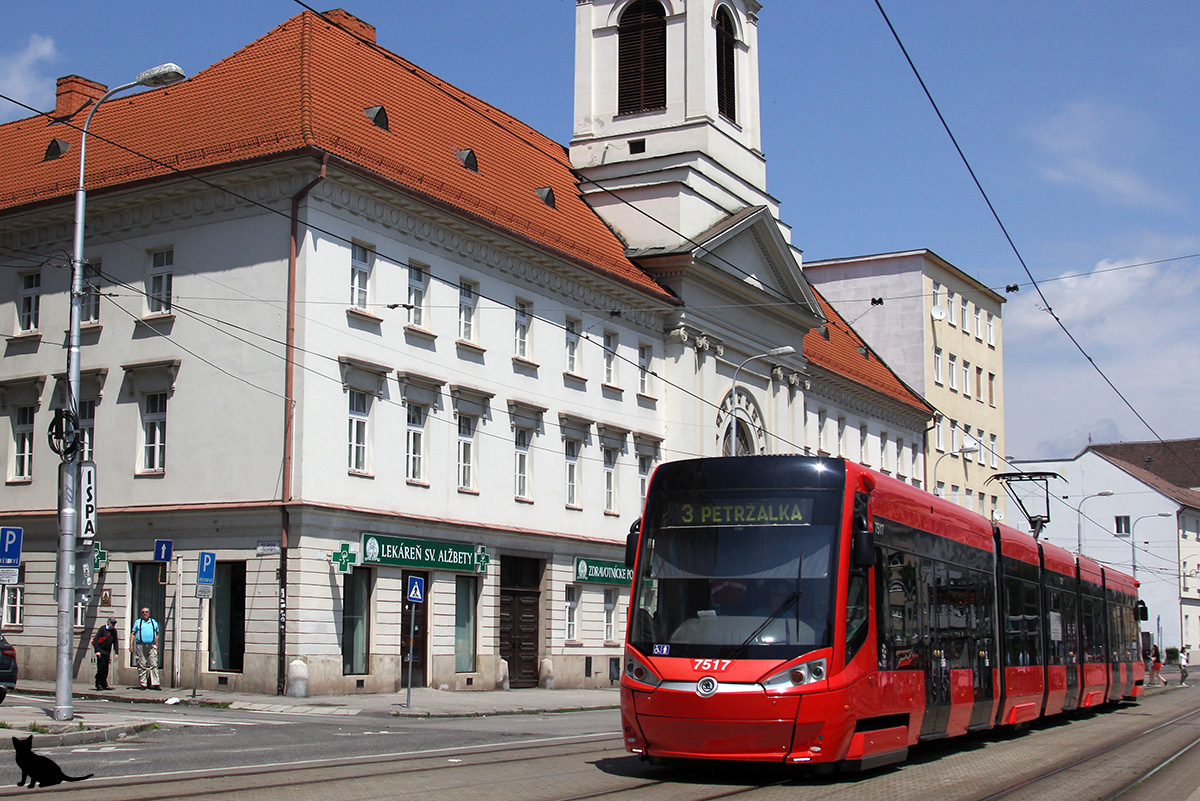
(415, 596)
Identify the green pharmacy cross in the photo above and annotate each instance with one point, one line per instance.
(99, 556)
(345, 558)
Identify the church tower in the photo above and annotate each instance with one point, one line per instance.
(667, 116)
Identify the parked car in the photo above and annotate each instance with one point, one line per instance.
(8, 668)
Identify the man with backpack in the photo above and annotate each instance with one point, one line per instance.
(143, 644)
(104, 643)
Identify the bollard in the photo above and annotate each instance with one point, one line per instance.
(297, 679)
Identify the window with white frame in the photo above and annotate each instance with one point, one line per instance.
(1121, 525)
(822, 419)
(466, 451)
(885, 458)
(979, 323)
(610, 358)
(864, 456)
(571, 452)
(991, 329)
(992, 451)
(991, 389)
(841, 436)
(979, 438)
(89, 304)
(22, 433)
(610, 614)
(610, 479)
(417, 282)
(29, 312)
(158, 288)
(414, 444)
(966, 327)
(573, 327)
(901, 459)
(937, 294)
(360, 414)
(979, 384)
(645, 354)
(521, 484)
(939, 432)
(966, 375)
(954, 437)
(955, 494)
(468, 297)
(953, 372)
(645, 468)
(14, 600)
(361, 259)
(941, 489)
(950, 308)
(572, 609)
(937, 365)
(521, 329)
(87, 428)
(154, 432)
(916, 471)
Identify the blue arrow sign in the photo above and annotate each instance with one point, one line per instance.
(207, 573)
(162, 550)
(10, 546)
(416, 589)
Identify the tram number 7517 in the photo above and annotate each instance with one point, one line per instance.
(711, 665)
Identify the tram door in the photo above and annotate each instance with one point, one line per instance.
(936, 635)
(983, 653)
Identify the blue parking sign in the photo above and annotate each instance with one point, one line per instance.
(10, 546)
(207, 572)
(416, 589)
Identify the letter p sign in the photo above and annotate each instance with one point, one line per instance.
(208, 568)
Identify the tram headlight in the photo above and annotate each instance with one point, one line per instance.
(808, 672)
(637, 670)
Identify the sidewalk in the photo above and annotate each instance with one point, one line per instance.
(87, 726)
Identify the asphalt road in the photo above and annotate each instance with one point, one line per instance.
(230, 754)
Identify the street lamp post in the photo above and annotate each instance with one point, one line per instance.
(963, 451)
(1079, 517)
(68, 475)
(786, 350)
(1133, 541)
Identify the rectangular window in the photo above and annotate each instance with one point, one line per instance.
(158, 289)
(979, 323)
(979, 454)
(610, 479)
(465, 626)
(916, 472)
(822, 419)
(941, 489)
(468, 295)
(885, 459)
(645, 468)
(154, 433)
(416, 295)
(31, 303)
(360, 275)
(1121, 524)
(954, 494)
(572, 605)
(227, 618)
(87, 427)
(645, 354)
(356, 622)
(610, 358)
(610, 615)
(571, 451)
(950, 308)
(841, 436)
(863, 455)
(937, 294)
(937, 365)
(22, 430)
(953, 372)
(521, 463)
(992, 455)
(89, 304)
(979, 384)
(966, 329)
(14, 600)
(991, 329)
(966, 375)
(954, 437)
(466, 452)
(521, 330)
(573, 328)
(414, 444)
(360, 413)
(991, 389)
(939, 431)
(901, 459)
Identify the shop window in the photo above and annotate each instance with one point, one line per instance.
(356, 622)
(227, 618)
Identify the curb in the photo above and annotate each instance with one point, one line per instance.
(85, 737)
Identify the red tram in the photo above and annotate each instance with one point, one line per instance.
(809, 610)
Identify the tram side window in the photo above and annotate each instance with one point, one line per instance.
(858, 605)
(1021, 623)
(955, 604)
(1093, 628)
(1056, 620)
(899, 628)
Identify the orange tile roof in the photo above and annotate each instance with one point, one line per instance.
(306, 84)
(840, 355)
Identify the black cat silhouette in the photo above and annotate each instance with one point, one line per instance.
(40, 769)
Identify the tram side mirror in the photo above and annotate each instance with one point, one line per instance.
(631, 542)
(863, 537)
(1142, 612)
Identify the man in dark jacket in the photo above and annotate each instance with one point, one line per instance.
(104, 643)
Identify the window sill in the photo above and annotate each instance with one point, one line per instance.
(573, 643)
(467, 491)
(571, 508)
(360, 474)
(471, 347)
(419, 333)
(364, 315)
(149, 473)
(16, 482)
(582, 379)
(89, 328)
(609, 513)
(612, 388)
(157, 317)
(412, 482)
(642, 396)
(519, 499)
(528, 364)
(24, 337)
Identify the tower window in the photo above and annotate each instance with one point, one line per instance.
(642, 58)
(726, 76)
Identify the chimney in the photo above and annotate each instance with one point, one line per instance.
(75, 93)
(351, 23)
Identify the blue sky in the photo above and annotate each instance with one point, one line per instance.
(1079, 119)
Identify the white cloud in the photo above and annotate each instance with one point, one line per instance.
(1084, 146)
(1139, 325)
(21, 78)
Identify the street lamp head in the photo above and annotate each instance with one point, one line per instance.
(786, 350)
(162, 75)
(1104, 494)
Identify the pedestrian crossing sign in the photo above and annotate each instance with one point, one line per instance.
(416, 589)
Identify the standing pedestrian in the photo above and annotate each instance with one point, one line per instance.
(1183, 660)
(143, 644)
(104, 643)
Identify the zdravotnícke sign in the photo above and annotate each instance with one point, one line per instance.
(599, 571)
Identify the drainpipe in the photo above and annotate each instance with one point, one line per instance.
(289, 416)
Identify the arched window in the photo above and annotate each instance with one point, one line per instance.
(642, 58)
(726, 76)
